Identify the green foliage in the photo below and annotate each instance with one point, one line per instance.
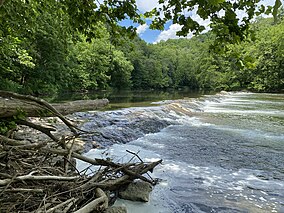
(92, 64)
(255, 65)
(42, 54)
(86, 14)
(120, 71)
(33, 47)
(10, 124)
(97, 65)
(5, 126)
(174, 64)
(227, 28)
(47, 46)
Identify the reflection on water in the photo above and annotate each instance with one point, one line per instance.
(129, 98)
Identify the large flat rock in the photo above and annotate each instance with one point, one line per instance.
(137, 191)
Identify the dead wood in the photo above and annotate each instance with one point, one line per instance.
(12, 142)
(60, 205)
(12, 103)
(29, 189)
(45, 130)
(98, 204)
(33, 179)
(36, 178)
(43, 107)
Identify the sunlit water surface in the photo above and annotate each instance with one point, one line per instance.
(221, 153)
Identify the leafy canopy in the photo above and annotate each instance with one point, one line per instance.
(227, 27)
(223, 15)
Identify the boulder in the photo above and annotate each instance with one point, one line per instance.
(137, 191)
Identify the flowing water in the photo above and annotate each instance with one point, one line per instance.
(221, 153)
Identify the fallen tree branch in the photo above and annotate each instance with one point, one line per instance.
(95, 204)
(71, 200)
(45, 130)
(53, 187)
(41, 103)
(11, 142)
(11, 103)
(28, 146)
(133, 153)
(25, 190)
(37, 178)
(125, 169)
(114, 183)
(68, 207)
(68, 159)
(66, 152)
(94, 179)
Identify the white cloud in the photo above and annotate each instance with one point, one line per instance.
(146, 5)
(142, 28)
(267, 2)
(242, 14)
(169, 34)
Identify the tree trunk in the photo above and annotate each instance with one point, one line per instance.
(11, 106)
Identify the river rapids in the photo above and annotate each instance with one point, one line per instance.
(221, 153)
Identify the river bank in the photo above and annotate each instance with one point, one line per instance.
(221, 153)
(39, 174)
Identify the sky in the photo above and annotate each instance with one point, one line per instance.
(155, 36)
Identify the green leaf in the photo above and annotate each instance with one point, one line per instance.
(216, 2)
(276, 6)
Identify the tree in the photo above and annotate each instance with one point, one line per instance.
(254, 65)
(91, 63)
(120, 71)
(85, 14)
(227, 27)
(33, 44)
(47, 46)
(269, 72)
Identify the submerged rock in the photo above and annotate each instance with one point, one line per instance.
(122, 126)
(137, 191)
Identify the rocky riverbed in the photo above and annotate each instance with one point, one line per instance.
(221, 153)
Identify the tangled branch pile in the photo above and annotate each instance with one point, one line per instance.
(41, 176)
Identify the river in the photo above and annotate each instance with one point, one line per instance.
(221, 153)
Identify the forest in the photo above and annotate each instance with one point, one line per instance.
(41, 53)
(221, 147)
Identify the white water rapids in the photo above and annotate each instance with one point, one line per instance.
(221, 153)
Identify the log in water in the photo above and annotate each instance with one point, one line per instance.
(10, 107)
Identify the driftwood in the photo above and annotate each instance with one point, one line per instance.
(12, 103)
(32, 180)
(102, 199)
(30, 184)
(36, 178)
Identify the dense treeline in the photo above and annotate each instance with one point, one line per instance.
(41, 53)
(256, 65)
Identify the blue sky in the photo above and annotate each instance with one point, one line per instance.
(154, 36)
(144, 32)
